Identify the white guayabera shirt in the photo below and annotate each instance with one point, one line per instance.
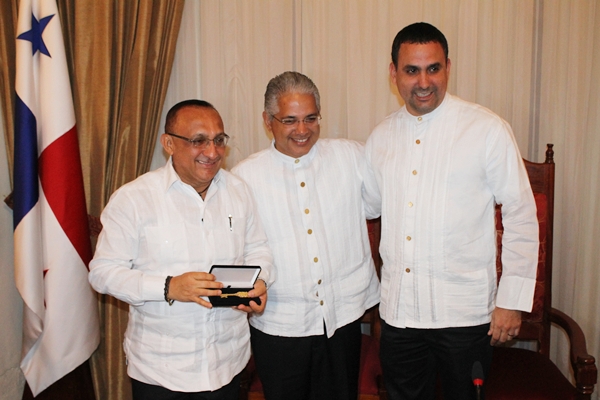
(314, 215)
(157, 226)
(440, 176)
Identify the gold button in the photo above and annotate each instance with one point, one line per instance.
(408, 238)
(302, 184)
(418, 141)
(310, 231)
(407, 270)
(306, 211)
(420, 119)
(319, 282)
(296, 161)
(321, 302)
(316, 259)
(410, 204)
(414, 172)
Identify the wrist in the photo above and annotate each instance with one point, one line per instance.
(167, 284)
(265, 282)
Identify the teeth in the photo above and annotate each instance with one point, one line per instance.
(301, 140)
(423, 94)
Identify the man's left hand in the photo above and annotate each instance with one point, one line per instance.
(260, 291)
(505, 325)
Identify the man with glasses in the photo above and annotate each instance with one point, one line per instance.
(161, 235)
(309, 193)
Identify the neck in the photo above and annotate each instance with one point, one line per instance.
(202, 192)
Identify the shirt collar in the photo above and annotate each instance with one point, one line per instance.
(426, 117)
(307, 158)
(171, 176)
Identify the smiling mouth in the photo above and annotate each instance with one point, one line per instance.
(300, 141)
(423, 94)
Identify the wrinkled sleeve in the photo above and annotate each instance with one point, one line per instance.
(111, 270)
(370, 193)
(256, 248)
(520, 241)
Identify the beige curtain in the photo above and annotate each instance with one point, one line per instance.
(8, 25)
(530, 61)
(120, 55)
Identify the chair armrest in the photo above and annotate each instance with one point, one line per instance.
(584, 365)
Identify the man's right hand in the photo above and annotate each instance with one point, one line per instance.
(192, 286)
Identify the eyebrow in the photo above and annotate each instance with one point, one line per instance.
(410, 66)
(309, 115)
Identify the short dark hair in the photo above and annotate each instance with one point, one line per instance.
(419, 32)
(172, 114)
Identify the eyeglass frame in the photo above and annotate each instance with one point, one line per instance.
(197, 143)
(297, 121)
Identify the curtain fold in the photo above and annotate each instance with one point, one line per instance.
(122, 53)
(120, 56)
(8, 25)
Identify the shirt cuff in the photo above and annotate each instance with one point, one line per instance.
(154, 288)
(515, 293)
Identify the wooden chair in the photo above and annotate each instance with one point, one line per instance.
(518, 373)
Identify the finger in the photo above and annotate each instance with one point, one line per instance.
(202, 302)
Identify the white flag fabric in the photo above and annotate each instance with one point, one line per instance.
(52, 242)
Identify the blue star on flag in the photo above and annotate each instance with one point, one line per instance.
(34, 35)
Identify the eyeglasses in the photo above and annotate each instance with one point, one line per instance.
(292, 121)
(202, 141)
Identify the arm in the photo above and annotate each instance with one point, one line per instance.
(257, 252)
(122, 268)
(510, 184)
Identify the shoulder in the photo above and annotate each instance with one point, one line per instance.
(147, 182)
(474, 112)
(340, 146)
(251, 162)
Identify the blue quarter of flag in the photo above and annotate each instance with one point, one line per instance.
(26, 188)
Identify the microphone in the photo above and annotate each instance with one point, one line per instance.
(477, 377)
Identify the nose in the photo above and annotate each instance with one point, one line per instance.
(423, 80)
(210, 150)
(302, 127)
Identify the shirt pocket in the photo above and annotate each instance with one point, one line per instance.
(230, 241)
(166, 245)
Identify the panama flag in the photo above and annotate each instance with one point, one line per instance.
(52, 242)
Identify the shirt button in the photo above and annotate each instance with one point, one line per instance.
(321, 302)
(408, 238)
(296, 161)
(319, 282)
(414, 172)
(309, 231)
(420, 119)
(407, 270)
(418, 141)
(302, 184)
(306, 211)
(410, 204)
(316, 259)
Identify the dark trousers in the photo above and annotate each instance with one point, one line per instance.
(145, 391)
(412, 359)
(309, 368)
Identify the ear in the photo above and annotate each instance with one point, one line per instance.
(268, 121)
(393, 72)
(167, 143)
